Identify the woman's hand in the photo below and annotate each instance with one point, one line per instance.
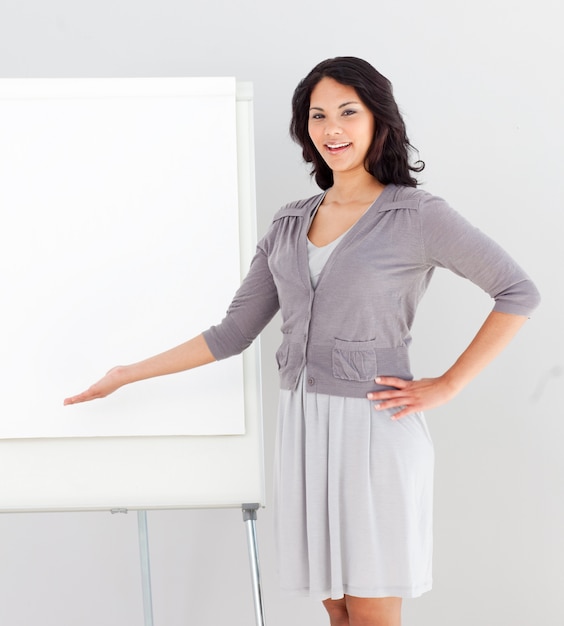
(113, 380)
(412, 395)
(419, 395)
(187, 355)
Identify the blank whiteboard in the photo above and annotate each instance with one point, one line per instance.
(127, 218)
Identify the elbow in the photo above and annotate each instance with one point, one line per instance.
(521, 298)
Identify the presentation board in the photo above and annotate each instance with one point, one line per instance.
(128, 219)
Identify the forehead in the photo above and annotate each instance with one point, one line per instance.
(328, 92)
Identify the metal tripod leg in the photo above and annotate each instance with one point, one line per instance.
(145, 567)
(249, 517)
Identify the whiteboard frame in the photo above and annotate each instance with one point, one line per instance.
(140, 473)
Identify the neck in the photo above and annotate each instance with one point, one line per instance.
(354, 186)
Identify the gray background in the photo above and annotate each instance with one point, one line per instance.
(480, 86)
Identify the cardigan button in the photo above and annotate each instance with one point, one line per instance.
(311, 381)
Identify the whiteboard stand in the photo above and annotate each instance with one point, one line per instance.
(49, 456)
(145, 567)
(249, 517)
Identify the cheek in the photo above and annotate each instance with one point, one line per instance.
(311, 131)
(314, 135)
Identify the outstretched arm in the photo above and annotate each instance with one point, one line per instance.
(253, 306)
(419, 395)
(188, 355)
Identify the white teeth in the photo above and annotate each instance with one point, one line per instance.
(334, 146)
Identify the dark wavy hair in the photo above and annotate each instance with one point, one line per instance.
(388, 156)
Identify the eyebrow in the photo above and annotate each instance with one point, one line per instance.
(345, 104)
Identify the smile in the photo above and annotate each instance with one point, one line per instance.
(337, 147)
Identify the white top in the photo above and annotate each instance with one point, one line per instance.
(318, 255)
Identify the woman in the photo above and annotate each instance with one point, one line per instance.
(347, 268)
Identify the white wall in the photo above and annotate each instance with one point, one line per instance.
(480, 87)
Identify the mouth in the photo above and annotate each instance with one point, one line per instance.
(336, 148)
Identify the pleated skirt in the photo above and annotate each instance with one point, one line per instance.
(353, 498)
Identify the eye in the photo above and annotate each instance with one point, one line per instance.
(317, 116)
(348, 112)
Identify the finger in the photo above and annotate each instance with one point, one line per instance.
(403, 413)
(392, 381)
(399, 408)
(389, 394)
(391, 404)
(81, 397)
(74, 400)
(401, 405)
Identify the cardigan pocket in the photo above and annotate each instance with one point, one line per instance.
(354, 360)
(289, 356)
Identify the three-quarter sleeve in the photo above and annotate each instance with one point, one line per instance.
(252, 307)
(450, 241)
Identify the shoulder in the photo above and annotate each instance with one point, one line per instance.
(412, 198)
(432, 213)
(298, 208)
(289, 221)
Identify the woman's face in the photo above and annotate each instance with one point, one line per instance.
(340, 125)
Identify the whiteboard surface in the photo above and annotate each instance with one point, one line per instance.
(119, 241)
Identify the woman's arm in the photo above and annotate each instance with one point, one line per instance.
(253, 306)
(188, 355)
(419, 395)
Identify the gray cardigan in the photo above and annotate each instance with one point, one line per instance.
(356, 324)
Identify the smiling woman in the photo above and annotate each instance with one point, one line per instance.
(346, 269)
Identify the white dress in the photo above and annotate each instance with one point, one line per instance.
(353, 493)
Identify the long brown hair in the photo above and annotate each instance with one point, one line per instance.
(388, 156)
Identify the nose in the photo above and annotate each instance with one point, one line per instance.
(332, 127)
